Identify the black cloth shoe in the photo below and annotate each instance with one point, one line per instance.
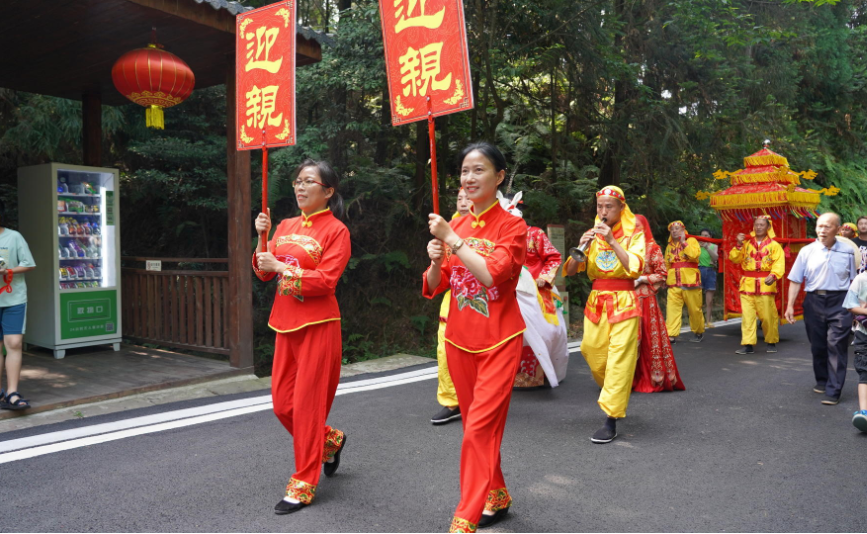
(818, 388)
(607, 433)
(673, 340)
(828, 400)
(331, 467)
(491, 520)
(284, 507)
(446, 415)
(697, 338)
(772, 347)
(604, 435)
(746, 349)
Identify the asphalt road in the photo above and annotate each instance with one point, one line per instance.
(747, 447)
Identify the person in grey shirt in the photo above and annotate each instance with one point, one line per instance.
(828, 265)
(15, 260)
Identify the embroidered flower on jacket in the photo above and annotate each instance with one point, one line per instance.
(290, 279)
(468, 291)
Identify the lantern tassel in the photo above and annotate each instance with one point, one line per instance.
(154, 116)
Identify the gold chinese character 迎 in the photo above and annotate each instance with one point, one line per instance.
(406, 20)
(264, 40)
(420, 69)
(261, 103)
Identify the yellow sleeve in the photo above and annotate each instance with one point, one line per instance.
(778, 268)
(737, 255)
(569, 263)
(581, 266)
(635, 251)
(445, 304)
(692, 250)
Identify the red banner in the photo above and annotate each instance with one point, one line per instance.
(265, 86)
(426, 56)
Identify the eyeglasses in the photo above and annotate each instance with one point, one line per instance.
(307, 183)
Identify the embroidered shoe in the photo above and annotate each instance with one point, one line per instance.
(746, 349)
(772, 347)
(446, 415)
(331, 467)
(285, 507)
(297, 490)
(491, 520)
(860, 422)
(496, 507)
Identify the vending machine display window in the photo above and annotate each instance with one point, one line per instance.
(71, 224)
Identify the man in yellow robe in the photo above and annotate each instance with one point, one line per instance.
(684, 283)
(763, 263)
(615, 258)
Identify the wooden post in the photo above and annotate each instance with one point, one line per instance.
(239, 325)
(91, 118)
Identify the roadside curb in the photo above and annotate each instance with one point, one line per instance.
(240, 381)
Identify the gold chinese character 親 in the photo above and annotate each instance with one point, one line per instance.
(420, 69)
(261, 104)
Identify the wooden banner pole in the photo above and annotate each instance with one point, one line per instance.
(433, 157)
(263, 239)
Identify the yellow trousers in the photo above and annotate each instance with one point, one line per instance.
(446, 394)
(674, 310)
(611, 351)
(765, 308)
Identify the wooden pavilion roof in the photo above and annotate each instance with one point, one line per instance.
(66, 48)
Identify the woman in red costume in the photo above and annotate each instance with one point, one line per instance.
(545, 354)
(479, 257)
(656, 369)
(307, 254)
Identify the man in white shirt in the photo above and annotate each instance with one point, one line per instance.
(828, 265)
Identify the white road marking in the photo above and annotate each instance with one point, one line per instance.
(51, 442)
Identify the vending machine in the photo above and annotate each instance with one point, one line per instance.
(69, 216)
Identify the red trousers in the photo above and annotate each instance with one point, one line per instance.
(483, 382)
(306, 372)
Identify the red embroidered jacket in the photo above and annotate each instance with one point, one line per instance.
(543, 258)
(316, 249)
(654, 270)
(482, 318)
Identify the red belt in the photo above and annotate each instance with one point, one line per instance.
(756, 274)
(613, 285)
(685, 265)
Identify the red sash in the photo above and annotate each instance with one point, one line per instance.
(756, 274)
(685, 265)
(613, 285)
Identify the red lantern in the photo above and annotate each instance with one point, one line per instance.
(153, 78)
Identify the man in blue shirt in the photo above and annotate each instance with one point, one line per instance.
(828, 265)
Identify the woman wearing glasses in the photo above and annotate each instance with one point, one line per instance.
(307, 255)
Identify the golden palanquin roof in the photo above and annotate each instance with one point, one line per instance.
(766, 181)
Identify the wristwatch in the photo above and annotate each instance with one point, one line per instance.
(458, 244)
